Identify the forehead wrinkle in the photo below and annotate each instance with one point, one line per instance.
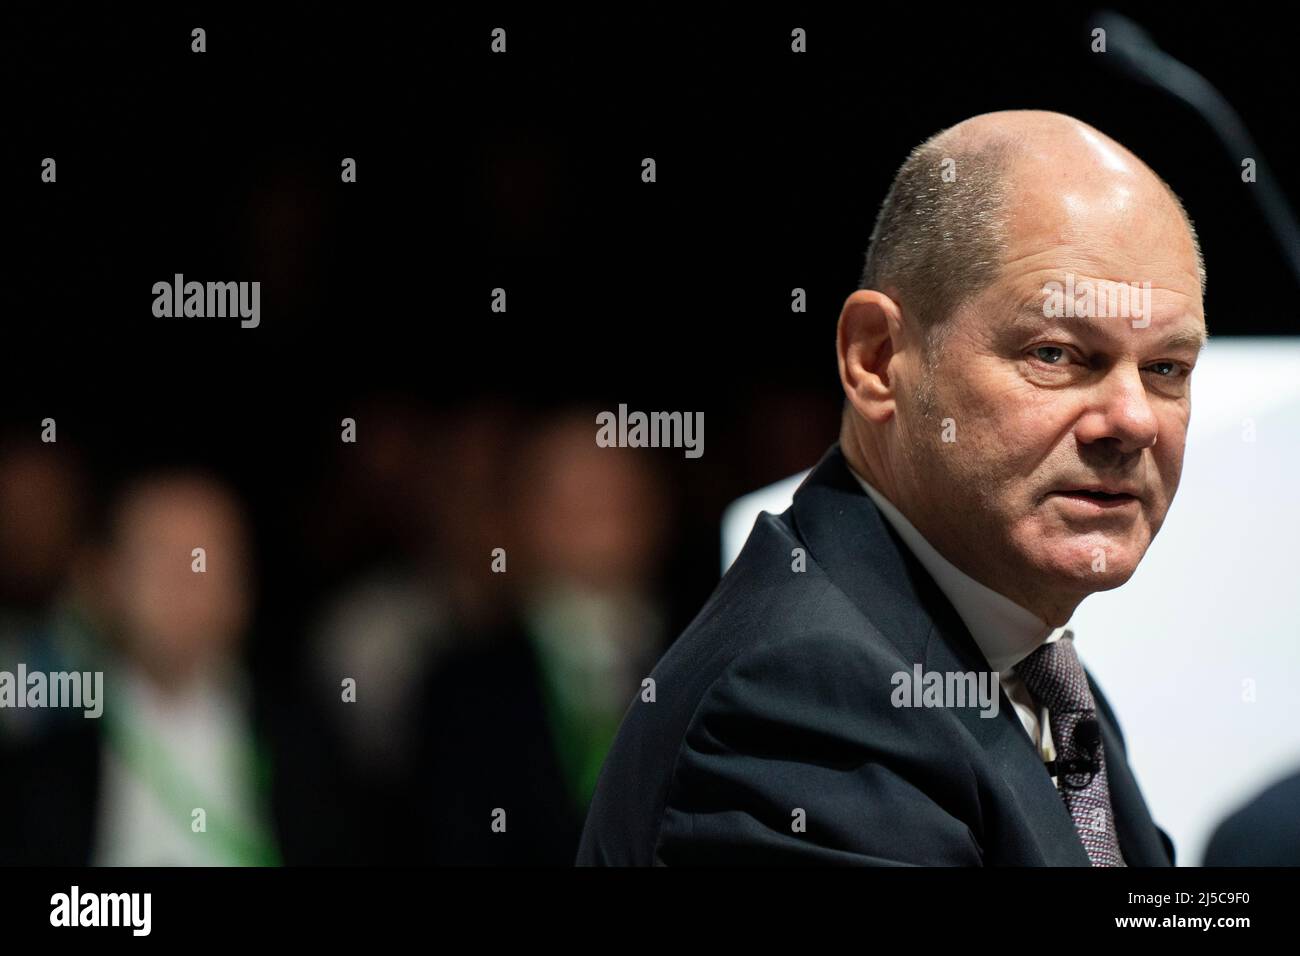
(1056, 273)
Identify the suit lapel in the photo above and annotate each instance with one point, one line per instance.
(1008, 746)
(849, 539)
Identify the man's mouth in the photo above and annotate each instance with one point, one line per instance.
(1097, 499)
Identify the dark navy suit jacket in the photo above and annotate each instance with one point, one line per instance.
(774, 706)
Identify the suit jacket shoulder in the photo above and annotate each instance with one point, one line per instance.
(771, 733)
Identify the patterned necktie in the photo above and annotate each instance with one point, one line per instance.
(1055, 677)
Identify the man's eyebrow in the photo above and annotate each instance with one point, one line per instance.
(1186, 338)
(1031, 314)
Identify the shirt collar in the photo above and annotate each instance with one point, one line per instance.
(1005, 632)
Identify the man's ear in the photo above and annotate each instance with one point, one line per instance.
(865, 342)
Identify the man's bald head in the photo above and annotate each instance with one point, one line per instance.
(948, 221)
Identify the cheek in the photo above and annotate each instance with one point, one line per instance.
(1000, 431)
(1002, 412)
(1001, 446)
(1168, 452)
(1167, 461)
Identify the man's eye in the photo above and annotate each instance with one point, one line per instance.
(1170, 369)
(1051, 354)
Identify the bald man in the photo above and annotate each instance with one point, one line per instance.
(886, 675)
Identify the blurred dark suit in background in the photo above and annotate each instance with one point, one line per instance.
(1264, 832)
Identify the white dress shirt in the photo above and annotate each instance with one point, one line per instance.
(1005, 632)
(196, 739)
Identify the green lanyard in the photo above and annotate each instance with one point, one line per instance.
(241, 846)
(581, 740)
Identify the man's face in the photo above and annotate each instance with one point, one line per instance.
(1067, 433)
(175, 618)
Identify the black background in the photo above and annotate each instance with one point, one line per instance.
(523, 171)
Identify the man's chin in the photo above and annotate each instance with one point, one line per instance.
(1093, 566)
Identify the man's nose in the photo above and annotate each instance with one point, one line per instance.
(1120, 412)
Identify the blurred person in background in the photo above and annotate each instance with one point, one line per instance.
(178, 727)
(519, 719)
(45, 604)
(173, 772)
(430, 489)
(418, 497)
(1263, 831)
